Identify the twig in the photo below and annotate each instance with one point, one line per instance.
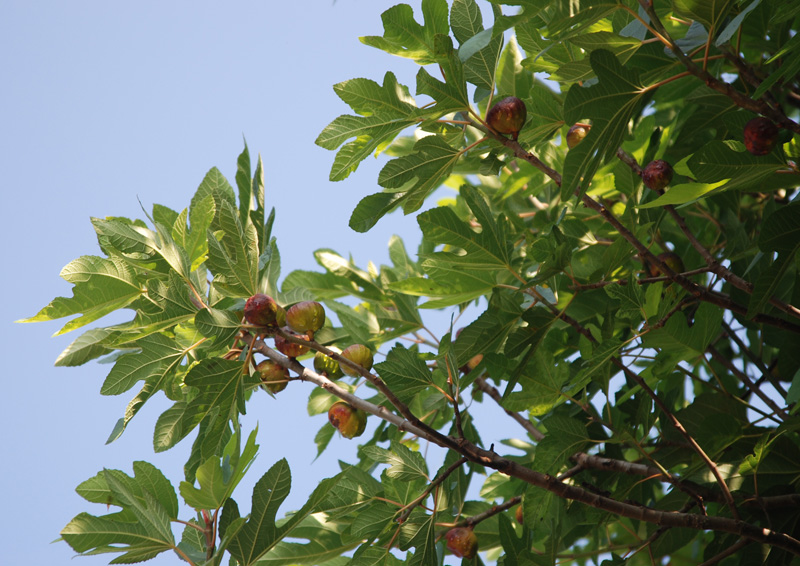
(492, 392)
(406, 511)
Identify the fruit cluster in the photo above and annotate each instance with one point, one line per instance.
(302, 321)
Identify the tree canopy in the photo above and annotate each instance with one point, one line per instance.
(624, 217)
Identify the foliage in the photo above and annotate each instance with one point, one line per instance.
(657, 410)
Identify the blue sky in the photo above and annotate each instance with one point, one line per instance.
(106, 104)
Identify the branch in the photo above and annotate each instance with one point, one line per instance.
(492, 460)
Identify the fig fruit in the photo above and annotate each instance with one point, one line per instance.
(657, 175)
(274, 377)
(673, 261)
(348, 420)
(358, 354)
(306, 317)
(328, 366)
(262, 310)
(290, 349)
(518, 515)
(462, 542)
(507, 116)
(471, 364)
(576, 134)
(760, 136)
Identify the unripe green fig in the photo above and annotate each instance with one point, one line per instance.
(657, 175)
(358, 354)
(673, 261)
(760, 136)
(262, 310)
(462, 542)
(306, 317)
(576, 134)
(274, 377)
(507, 116)
(290, 349)
(328, 366)
(348, 420)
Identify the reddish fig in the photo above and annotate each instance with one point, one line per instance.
(306, 317)
(576, 134)
(288, 348)
(518, 515)
(507, 116)
(462, 542)
(657, 175)
(760, 136)
(348, 420)
(262, 310)
(274, 377)
(358, 354)
(328, 366)
(673, 261)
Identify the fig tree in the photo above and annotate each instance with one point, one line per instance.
(358, 354)
(462, 542)
(576, 134)
(507, 116)
(657, 175)
(328, 366)
(348, 420)
(306, 317)
(760, 136)
(274, 377)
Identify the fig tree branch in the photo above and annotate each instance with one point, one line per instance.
(492, 460)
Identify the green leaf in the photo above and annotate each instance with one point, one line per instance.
(684, 193)
(427, 167)
(610, 104)
(780, 231)
(87, 346)
(679, 338)
(234, 259)
(372, 208)
(717, 161)
(384, 112)
(405, 373)
(404, 37)
(708, 12)
(101, 286)
(214, 184)
(260, 531)
(221, 385)
(479, 61)
(768, 281)
(158, 357)
(222, 325)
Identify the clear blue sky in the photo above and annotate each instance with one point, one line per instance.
(105, 104)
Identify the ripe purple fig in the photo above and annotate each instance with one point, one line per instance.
(358, 354)
(507, 116)
(306, 317)
(760, 136)
(290, 349)
(274, 377)
(576, 134)
(673, 261)
(657, 175)
(348, 420)
(262, 310)
(462, 542)
(328, 366)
